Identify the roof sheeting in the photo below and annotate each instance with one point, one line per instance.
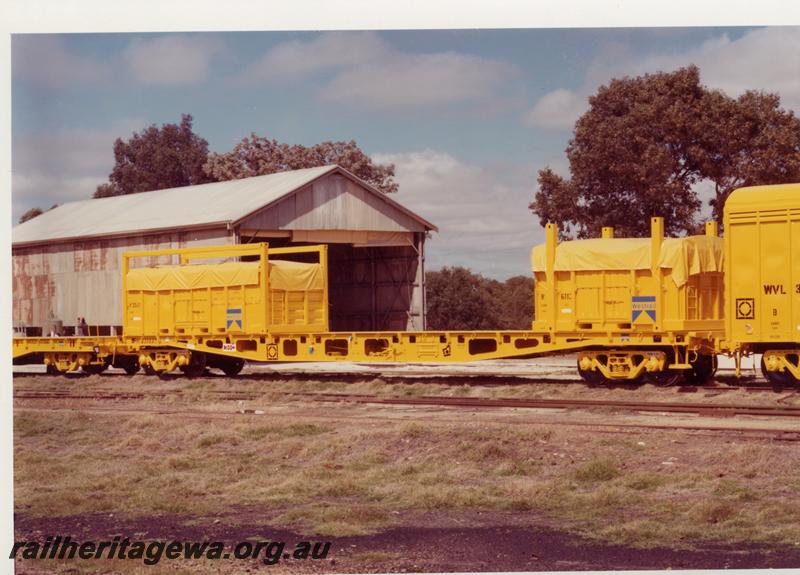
(206, 204)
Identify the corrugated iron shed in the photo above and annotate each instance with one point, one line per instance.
(218, 203)
(66, 262)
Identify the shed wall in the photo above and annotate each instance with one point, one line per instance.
(82, 278)
(333, 203)
(376, 288)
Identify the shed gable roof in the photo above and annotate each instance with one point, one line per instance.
(219, 203)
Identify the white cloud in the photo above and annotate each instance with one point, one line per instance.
(763, 59)
(706, 191)
(482, 212)
(295, 59)
(418, 80)
(46, 60)
(368, 72)
(171, 60)
(558, 109)
(63, 166)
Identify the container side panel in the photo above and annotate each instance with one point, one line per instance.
(773, 313)
(794, 254)
(744, 277)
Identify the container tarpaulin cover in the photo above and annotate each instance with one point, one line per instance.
(295, 276)
(193, 276)
(684, 256)
(283, 275)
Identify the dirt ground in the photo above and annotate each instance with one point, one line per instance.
(441, 542)
(401, 488)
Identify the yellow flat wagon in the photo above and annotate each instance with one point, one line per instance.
(661, 292)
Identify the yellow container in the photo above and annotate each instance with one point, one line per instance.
(762, 273)
(234, 297)
(632, 285)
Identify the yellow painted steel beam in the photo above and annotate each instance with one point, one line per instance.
(438, 347)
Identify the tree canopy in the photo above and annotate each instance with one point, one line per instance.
(258, 156)
(30, 214)
(647, 142)
(458, 299)
(157, 158)
(173, 156)
(34, 212)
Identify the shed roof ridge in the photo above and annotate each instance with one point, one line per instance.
(220, 203)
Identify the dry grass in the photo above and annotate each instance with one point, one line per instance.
(338, 477)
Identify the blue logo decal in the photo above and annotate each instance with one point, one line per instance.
(234, 317)
(643, 304)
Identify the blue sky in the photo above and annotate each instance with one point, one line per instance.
(467, 116)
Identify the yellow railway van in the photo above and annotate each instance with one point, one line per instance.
(762, 277)
(658, 309)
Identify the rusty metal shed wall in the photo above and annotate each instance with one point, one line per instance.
(83, 278)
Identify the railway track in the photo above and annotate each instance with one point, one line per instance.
(516, 403)
(723, 384)
(699, 408)
(609, 425)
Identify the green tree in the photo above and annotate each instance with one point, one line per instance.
(516, 302)
(459, 299)
(757, 143)
(30, 214)
(34, 212)
(157, 158)
(646, 142)
(258, 156)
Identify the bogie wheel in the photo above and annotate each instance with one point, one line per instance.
(778, 379)
(148, 370)
(664, 378)
(53, 370)
(702, 370)
(90, 369)
(94, 368)
(131, 368)
(232, 367)
(196, 366)
(129, 363)
(592, 377)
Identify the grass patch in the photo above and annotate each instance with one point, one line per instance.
(216, 439)
(730, 488)
(28, 425)
(596, 471)
(714, 511)
(646, 481)
(351, 476)
(291, 430)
